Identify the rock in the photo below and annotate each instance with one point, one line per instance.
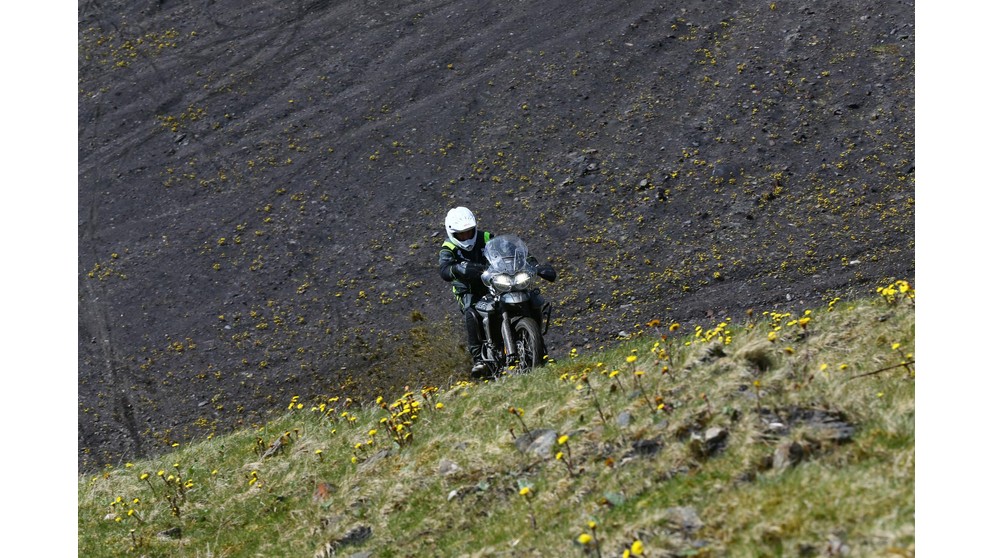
(369, 463)
(538, 442)
(822, 426)
(646, 447)
(447, 467)
(708, 443)
(684, 518)
(172, 533)
(355, 535)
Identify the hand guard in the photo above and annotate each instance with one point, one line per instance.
(546, 272)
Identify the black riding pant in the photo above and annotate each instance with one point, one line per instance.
(473, 326)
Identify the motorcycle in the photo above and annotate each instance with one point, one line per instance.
(514, 316)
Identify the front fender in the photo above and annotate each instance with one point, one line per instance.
(515, 297)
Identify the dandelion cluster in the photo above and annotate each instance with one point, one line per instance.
(900, 290)
(403, 414)
(782, 323)
(125, 508)
(720, 332)
(175, 487)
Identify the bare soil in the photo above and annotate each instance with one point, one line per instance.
(262, 184)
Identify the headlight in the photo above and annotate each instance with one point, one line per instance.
(502, 282)
(521, 280)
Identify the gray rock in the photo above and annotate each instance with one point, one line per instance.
(356, 535)
(684, 518)
(708, 443)
(538, 442)
(714, 436)
(369, 463)
(447, 467)
(172, 533)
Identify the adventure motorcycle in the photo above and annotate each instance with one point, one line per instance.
(513, 312)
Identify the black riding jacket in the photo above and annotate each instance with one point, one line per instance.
(451, 255)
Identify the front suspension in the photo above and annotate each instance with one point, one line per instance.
(509, 342)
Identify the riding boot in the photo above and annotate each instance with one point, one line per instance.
(478, 367)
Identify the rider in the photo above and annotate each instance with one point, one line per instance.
(461, 263)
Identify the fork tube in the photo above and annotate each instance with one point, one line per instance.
(509, 343)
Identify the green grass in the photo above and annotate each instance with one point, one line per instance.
(447, 481)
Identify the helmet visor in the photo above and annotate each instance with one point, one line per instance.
(467, 234)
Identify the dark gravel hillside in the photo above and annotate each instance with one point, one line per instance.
(262, 184)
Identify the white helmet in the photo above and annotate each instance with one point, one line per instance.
(460, 225)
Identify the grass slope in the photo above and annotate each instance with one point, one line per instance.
(788, 435)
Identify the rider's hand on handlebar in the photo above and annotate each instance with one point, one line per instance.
(469, 270)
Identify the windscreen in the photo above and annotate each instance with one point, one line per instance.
(506, 254)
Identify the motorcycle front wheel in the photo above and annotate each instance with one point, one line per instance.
(530, 343)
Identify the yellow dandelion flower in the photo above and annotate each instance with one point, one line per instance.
(591, 524)
(637, 549)
(585, 538)
(562, 439)
(525, 491)
(559, 456)
(674, 327)
(439, 406)
(895, 346)
(632, 359)
(772, 336)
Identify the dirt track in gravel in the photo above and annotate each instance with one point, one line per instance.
(262, 184)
